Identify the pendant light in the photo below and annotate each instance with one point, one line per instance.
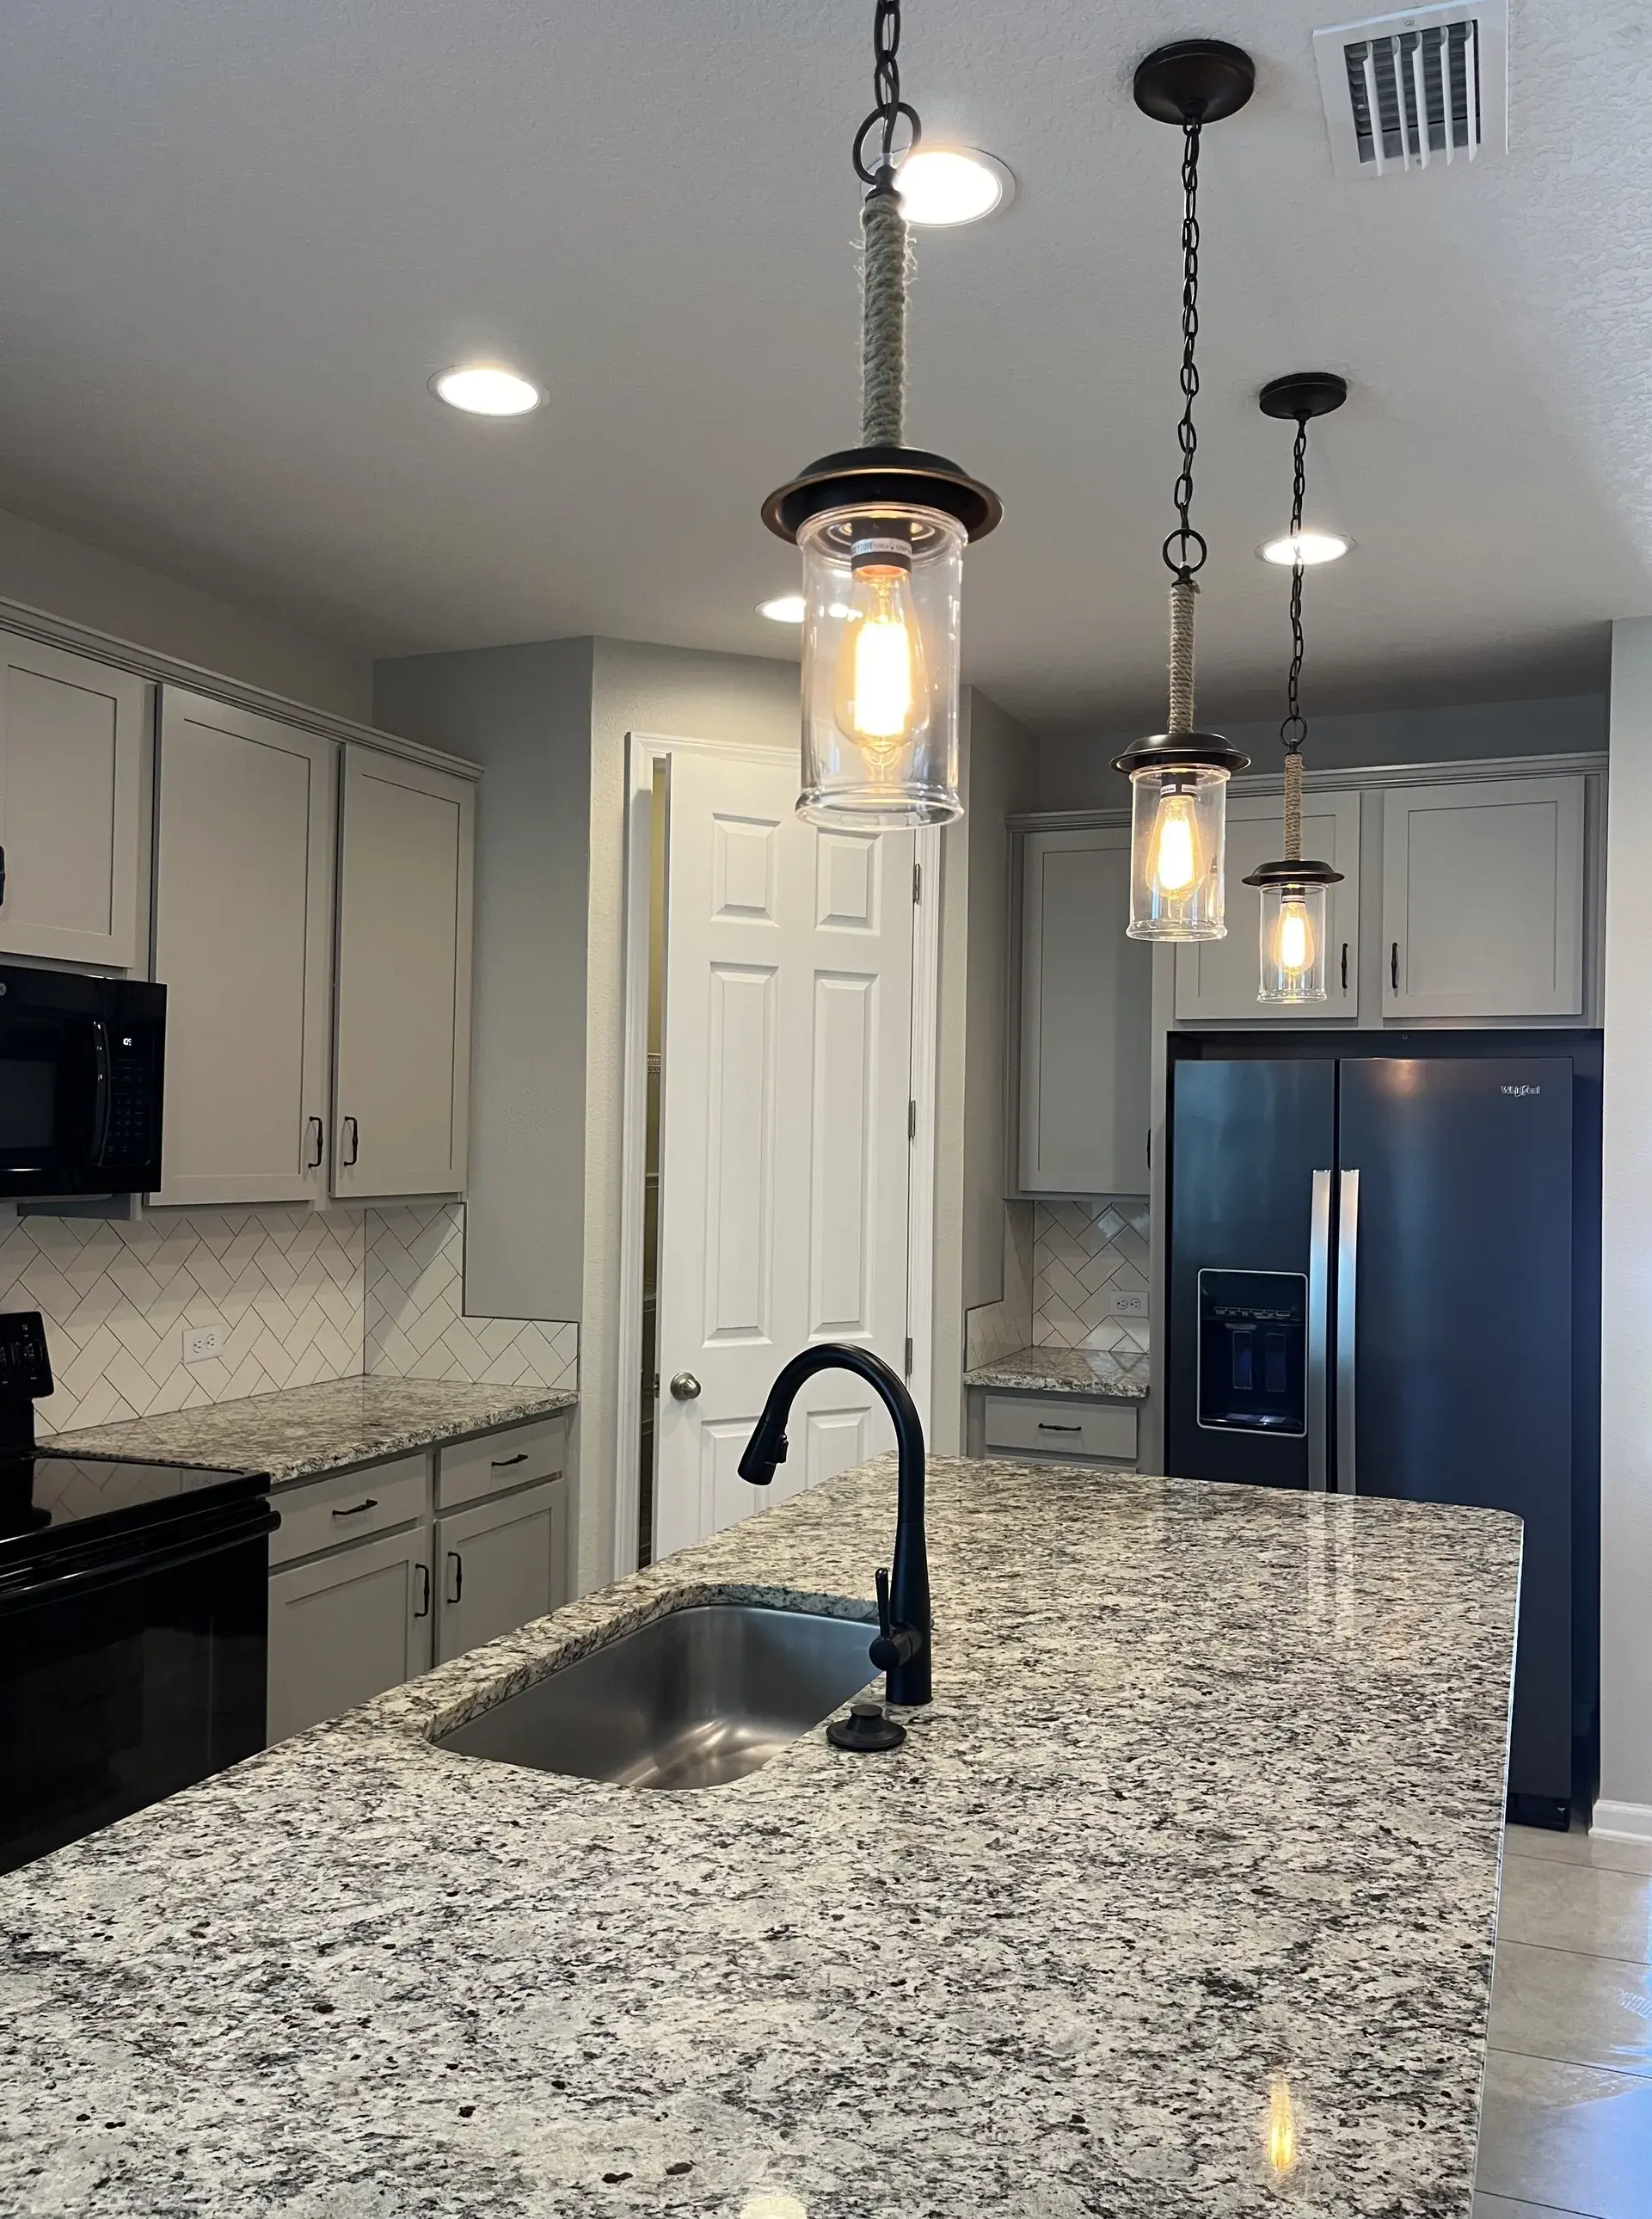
(1293, 940)
(882, 527)
(1178, 779)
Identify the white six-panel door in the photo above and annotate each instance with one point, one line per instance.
(783, 1146)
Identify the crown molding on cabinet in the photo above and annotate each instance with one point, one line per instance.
(1371, 779)
(104, 647)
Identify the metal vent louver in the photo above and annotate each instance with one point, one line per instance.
(1425, 88)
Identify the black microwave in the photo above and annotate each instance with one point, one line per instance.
(81, 1062)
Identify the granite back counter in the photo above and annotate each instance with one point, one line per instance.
(1178, 1902)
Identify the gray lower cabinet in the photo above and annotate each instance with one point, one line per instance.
(1065, 1428)
(501, 1564)
(346, 1626)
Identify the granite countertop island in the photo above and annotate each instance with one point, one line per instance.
(303, 1431)
(1100, 1372)
(1177, 1904)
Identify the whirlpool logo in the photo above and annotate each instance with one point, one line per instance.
(1517, 1090)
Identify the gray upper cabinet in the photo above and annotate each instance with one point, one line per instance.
(244, 867)
(73, 738)
(401, 1093)
(1217, 978)
(1482, 899)
(1086, 1004)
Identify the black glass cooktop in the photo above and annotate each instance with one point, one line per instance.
(46, 1498)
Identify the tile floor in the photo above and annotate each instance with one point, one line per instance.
(1567, 2122)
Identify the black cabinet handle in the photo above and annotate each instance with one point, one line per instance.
(504, 1464)
(423, 1570)
(317, 1135)
(353, 1133)
(458, 1563)
(2, 874)
(1393, 966)
(368, 1502)
(1045, 1429)
(1344, 967)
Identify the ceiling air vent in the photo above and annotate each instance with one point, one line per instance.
(1424, 87)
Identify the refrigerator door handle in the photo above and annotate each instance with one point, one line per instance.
(1347, 1306)
(1319, 1321)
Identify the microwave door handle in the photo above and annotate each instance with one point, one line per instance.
(1347, 1341)
(1319, 1317)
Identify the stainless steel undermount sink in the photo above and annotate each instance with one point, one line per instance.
(693, 1698)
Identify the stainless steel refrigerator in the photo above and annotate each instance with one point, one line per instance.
(1375, 1268)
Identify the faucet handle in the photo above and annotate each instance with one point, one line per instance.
(881, 1578)
(896, 1645)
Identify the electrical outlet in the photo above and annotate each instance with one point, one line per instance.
(1128, 1302)
(202, 1343)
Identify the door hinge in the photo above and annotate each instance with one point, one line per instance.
(908, 1356)
(917, 882)
(911, 1120)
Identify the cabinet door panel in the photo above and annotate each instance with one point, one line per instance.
(1482, 899)
(243, 943)
(345, 1627)
(1217, 978)
(1086, 1007)
(72, 737)
(500, 1565)
(402, 1095)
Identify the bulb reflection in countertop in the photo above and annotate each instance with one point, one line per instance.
(1281, 2128)
(769, 2203)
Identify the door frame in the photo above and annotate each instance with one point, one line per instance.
(645, 753)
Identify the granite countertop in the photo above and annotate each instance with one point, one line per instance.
(303, 1431)
(1096, 1371)
(1194, 1858)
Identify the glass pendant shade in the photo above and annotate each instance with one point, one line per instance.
(1179, 825)
(880, 666)
(1295, 931)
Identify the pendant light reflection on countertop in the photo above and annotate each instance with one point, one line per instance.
(882, 528)
(1293, 944)
(1178, 777)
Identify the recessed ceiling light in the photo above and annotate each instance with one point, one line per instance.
(784, 608)
(1315, 547)
(486, 388)
(941, 185)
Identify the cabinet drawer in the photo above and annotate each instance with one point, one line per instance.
(471, 1470)
(348, 1506)
(1062, 1424)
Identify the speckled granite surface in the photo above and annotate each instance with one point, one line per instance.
(1097, 1371)
(1208, 1804)
(305, 1430)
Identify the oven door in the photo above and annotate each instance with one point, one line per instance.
(128, 1669)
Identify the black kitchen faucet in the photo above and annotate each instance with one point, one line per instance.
(902, 1648)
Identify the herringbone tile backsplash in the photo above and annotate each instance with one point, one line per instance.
(1081, 1251)
(298, 1295)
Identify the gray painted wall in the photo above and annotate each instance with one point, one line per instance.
(1626, 1246)
(64, 577)
(524, 714)
(1078, 773)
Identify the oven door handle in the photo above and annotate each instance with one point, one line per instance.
(112, 1568)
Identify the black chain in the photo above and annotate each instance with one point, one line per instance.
(886, 89)
(1294, 730)
(1189, 547)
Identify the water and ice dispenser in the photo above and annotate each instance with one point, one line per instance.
(1253, 1351)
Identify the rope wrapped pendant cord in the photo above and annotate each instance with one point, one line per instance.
(1183, 594)
(885, 276)
(1293, 805)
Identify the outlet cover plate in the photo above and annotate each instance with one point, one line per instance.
(202, 1343)
(1128, 1302)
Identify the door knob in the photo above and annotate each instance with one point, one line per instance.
(683, 1386)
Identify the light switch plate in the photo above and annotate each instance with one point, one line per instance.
(202, 1343)
(1128, 1302)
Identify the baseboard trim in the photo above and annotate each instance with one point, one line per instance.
(1622, 1822)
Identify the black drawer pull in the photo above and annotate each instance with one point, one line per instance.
(504, 1464)
(369, 1502)
(1044, 1428)
(1393, 966)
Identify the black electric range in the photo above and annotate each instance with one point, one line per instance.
(133, 1617)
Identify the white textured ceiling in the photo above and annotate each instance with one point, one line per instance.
(237, 238)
